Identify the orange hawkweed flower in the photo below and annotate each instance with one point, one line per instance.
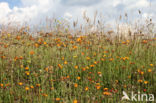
(38, 85)
(75, 101)
(88, 58)
(65, 62)
(75, 85)
(45, 95)
(58, 99)
(32, 87)
(27, 73)
(78, 78)
(1, 85)
(60, 66)
(76, 67)
(111, 59)
(149, 70)
(140, 81)
(20, 83)
(36, 45)
(145, 82)
(26, 68)
(32, 52)
(18, 37)
(107, 93)
(151, 65)
(27, 88)
(86, 88)
(98, 87)
(105, 89)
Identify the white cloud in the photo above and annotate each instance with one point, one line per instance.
(35, 10)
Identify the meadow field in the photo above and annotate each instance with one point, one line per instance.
(61, 67)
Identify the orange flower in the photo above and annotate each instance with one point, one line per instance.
(76, 67)
(75, 85)
(27, 73)
(18, 37)
(99, 73)
(65, 62)
(45, 95)
(149, 70)
(37, 85)
(58, 99)
(142, 73)
(36, 45)
(1, 85)
(60, 66)
(20, 83)
(86, 89)
(75, 101)
(88, 58)
(32, 52)
(105, 89)
(78, 78)
(32, 87)
(68, 77)
(107, 93)
(98, 87)
(140, 81)
(111, 59)
(145, 82)
(45, 43)
(26, 68)
(26, 88)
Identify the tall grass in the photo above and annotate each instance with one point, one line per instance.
(58, 66)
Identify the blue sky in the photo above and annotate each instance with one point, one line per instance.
(37, 10)
(12, 3)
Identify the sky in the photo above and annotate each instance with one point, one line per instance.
(33, 11)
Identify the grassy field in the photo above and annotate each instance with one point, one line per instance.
(64, 68)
